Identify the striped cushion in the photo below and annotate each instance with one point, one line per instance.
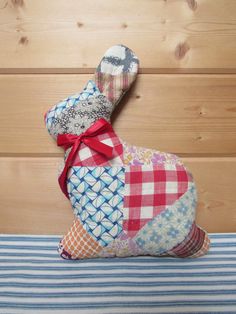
(34, 279)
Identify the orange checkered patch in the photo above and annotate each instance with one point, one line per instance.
(78, 244)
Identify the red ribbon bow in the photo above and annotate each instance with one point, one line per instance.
(88, 138)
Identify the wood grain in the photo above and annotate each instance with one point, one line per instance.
(184, 114)
(71, 36)
(31, 201)
(216, 181)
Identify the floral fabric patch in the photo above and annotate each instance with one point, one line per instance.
(171, 227)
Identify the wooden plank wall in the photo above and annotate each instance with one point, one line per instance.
(184, 100)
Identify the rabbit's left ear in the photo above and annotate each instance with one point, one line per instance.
(116, 72)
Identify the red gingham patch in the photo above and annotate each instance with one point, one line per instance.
(89, 157)
(148, 190)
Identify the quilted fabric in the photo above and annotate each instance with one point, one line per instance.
(54, 113)
(148, 190)
(135, 210)
(78, 244)
(134, 201)
(96, 194)
(89, 157)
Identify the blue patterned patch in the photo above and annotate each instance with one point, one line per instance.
(90, 90)
(169, 228)
(96, 194)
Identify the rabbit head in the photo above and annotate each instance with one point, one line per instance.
(113, 77)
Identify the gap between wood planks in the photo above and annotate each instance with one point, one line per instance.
(92, 70)
(181, 155)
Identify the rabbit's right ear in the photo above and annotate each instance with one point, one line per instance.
(116, 72)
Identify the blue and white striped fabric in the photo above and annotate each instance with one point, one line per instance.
(34, 279)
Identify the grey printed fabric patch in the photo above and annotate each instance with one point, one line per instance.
(118, 59)
(78, 118)
(90, 91)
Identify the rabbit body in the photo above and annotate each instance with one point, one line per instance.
(138, 201)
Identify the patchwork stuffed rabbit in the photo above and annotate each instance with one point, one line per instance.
(127, 200)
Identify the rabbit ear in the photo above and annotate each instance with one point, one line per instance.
(116, 72)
